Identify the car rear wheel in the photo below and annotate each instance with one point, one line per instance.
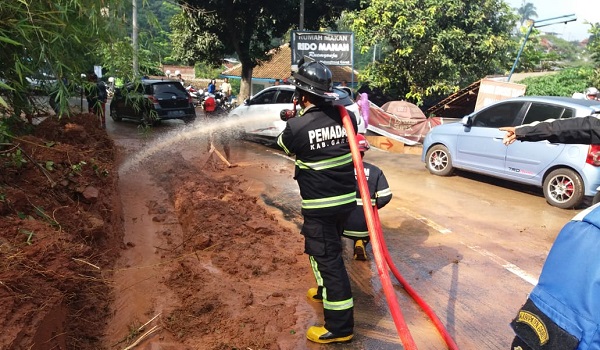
(563, 188)
(439, 161)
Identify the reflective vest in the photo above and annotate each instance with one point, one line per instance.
(324, 168)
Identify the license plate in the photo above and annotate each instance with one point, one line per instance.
(175, 113)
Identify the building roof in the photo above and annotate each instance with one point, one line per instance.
(279, 67)
(456, 105)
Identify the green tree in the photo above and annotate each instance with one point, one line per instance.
(562, 83)
(210, 29)
(593, 48)
(436, 46)
(154, 18)
(117, 59)
(570, 80)
(49, 39)
(526, 11)
(545, 51)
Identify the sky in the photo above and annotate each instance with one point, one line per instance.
(584, 10)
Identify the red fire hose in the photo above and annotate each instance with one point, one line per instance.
(381, 252)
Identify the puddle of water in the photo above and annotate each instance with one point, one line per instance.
(139, 291)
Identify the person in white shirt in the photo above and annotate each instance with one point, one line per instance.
(226, 88)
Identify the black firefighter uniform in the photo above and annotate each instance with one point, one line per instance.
(325, 174)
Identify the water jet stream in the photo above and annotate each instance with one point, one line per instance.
(203, 127)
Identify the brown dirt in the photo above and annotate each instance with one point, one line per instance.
(223, 272)
(60, 226)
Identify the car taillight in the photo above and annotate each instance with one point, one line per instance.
(593, 156)
(153, 99)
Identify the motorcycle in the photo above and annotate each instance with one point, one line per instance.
(221, 101)
(220, 98)
(197, 95)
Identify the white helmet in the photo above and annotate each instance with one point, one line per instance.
(591, 91)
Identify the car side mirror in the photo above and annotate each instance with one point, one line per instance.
(467, 121)
(247, 102)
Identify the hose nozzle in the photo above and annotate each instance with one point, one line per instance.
(288, 114)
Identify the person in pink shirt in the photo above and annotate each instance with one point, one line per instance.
(363, 106)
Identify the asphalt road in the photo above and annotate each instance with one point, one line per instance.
(471, 246)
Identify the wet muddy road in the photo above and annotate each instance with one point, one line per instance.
(472, 247)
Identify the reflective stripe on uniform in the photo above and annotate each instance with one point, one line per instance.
(338, 305)
(315, 268)
(280, 143)
(325, 164)
(384, 192)
(329, 305)
(360, 202)
(318, 277)
(357, 234)
(329, 201)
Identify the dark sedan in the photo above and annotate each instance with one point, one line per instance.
(152, 100)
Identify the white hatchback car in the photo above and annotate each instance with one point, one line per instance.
(260, 114)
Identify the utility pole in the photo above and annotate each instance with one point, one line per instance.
(134, 40)
(374, 51)
(537, 24)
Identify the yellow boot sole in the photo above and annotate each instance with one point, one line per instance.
(321, 335)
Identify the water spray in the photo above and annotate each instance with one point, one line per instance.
(201, 129)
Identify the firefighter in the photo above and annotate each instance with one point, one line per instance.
(356, 226)
(325, 174)
(562, 312)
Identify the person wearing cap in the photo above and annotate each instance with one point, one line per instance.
(325, 174)
(562, 312)
(356, 226)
